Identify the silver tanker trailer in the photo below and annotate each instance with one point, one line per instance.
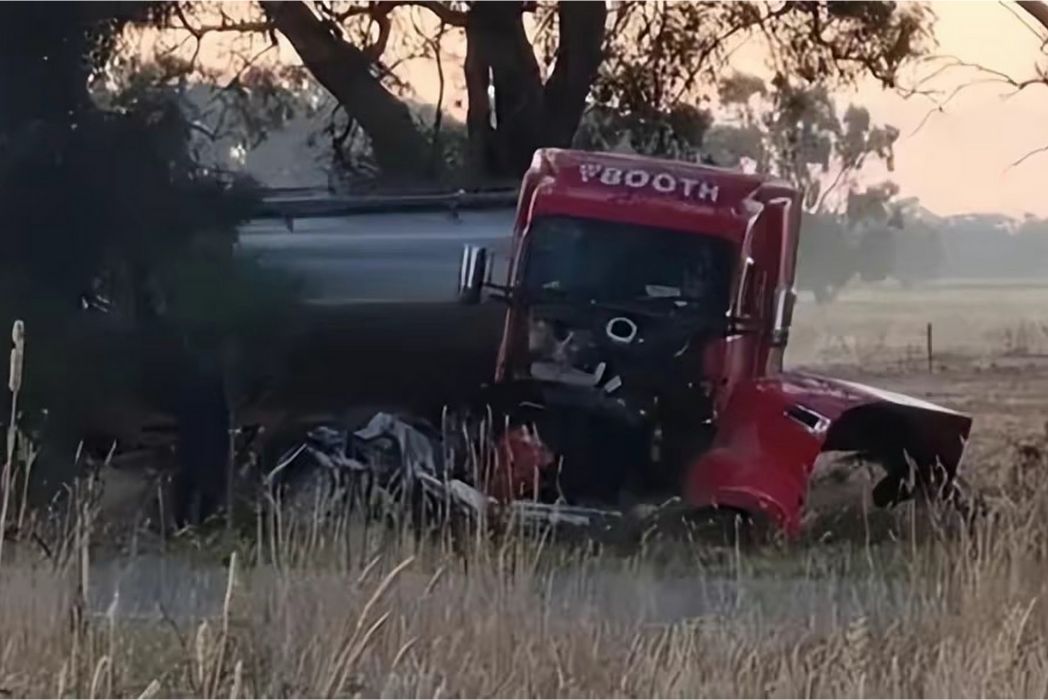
(381, 324)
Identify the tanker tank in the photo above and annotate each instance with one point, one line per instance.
(381, 320)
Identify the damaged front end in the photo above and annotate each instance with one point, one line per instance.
(639, 375)
(603, 469)
(601, 423)
(606, 359)
(639, 391)
(399, 469)
(774, 431)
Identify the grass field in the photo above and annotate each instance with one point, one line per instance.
(884, 323)
(886, 605)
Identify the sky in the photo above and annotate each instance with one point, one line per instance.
(957, 160)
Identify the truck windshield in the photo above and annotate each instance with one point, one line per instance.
(576, 259)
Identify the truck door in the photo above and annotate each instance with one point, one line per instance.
(740, 351)
(776, 251)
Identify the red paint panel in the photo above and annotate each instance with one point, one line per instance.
(762, 459)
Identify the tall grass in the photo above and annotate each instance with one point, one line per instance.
(329, 607)
(332, 605)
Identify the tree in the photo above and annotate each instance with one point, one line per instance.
(797, 133)
(48, 55)
(532, 70)
(105, 209)
(527, 112)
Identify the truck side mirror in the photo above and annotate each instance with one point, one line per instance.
(472, 274)
(784, 301)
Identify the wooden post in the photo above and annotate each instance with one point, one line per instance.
(225, 357)
(231, 459)
(931, 356)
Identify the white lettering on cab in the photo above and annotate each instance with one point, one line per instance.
(611, 176)
(664, 183)
(588, 170)
(707, 191)
(637, 178)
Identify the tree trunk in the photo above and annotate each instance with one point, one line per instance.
(481, 157)
(399, 147)
(578, 57)
(528, 115)
(495, 32)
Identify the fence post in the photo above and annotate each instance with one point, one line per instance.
(931, 357)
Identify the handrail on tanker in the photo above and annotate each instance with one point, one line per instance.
(287, 203)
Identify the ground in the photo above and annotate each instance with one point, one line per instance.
(907, 610)
(885, 325)
(989, 353)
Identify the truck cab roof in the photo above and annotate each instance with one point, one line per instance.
(651, 191)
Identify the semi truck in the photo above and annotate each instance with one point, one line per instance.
(624, 317)
(648, 306)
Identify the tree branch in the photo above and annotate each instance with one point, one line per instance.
(991, 77)
(444, 12)
(226, 25)
(248, 63)
(719, 41)
(1037, 10)
(436, 159)
(1022, 20)
(346, 72)
(1042, 149)
(343, 16)
(375, 51)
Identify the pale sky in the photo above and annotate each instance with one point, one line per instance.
(959, 161)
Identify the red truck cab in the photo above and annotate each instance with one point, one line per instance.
(649, 304)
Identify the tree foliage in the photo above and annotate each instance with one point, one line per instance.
(533, 71)
(798, 133)
(644, 76)
(662, 59)
(105, 208)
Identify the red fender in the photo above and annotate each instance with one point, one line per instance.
(773, 429)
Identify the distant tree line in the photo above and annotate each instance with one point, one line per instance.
(993, 246)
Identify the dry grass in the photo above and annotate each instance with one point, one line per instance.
(327, 609)
(884, 322)
(890, 607)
